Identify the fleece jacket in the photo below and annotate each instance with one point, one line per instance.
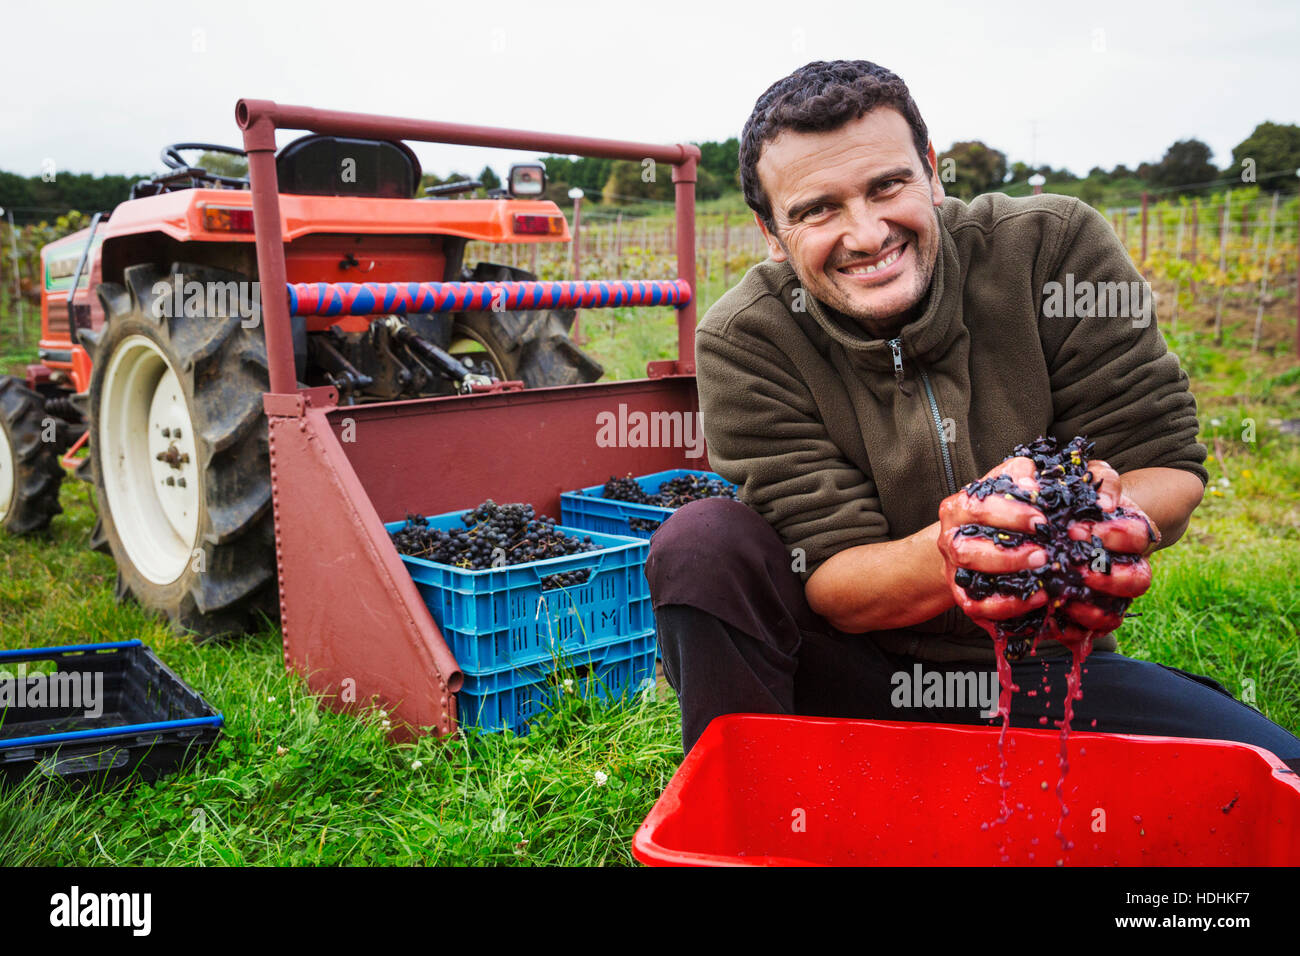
(840, 439)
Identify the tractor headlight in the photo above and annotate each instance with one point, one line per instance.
(527, 180)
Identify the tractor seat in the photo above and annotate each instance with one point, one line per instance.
(339, 166)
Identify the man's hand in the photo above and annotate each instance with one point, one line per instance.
(1131, 532)
(908, 584)
(978, 553)
(1128, 533)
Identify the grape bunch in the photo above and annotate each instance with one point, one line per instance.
(1067, 493)
(626, 489)
(678, 491)
(672, 493)
(495, 535)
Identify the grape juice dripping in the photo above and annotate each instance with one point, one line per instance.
(1067, 492)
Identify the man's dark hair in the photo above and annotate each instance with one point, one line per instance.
(818, 98)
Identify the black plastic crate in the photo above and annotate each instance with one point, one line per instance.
(149, 722)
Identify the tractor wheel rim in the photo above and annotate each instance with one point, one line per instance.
(149, 460)
(470, 342)
(8, 481)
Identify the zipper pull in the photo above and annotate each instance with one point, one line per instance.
(897, 346)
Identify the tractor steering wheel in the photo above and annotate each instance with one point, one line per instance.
(172, 159)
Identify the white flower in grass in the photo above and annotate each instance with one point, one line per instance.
(270, 700)
(1215, 422)
(1224, 483)
(602, 778)
(386, 724)
(568, 685)
(417, 764)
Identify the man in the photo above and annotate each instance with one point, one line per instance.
(892, 349)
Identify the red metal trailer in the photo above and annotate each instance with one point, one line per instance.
(354, 624)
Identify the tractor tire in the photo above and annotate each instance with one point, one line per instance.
(179, 454)
(30, 473)
(531, 346)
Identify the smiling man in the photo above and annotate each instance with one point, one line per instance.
(855, 216)
(892, 349)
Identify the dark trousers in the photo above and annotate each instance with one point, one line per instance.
(737, 636)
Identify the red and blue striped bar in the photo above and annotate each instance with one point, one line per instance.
(400, 298)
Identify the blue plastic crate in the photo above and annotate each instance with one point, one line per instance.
(500, 618)
(587, 509)
(508, 700)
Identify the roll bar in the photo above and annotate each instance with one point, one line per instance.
(259, 119)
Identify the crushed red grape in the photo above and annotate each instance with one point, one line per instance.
(1067, 492)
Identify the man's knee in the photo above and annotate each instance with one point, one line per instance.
(704, 536)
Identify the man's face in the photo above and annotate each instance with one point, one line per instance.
(854, 214)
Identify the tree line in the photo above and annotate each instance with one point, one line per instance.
(1270, 155)
(41, 198)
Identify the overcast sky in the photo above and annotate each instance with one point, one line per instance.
(100, 87)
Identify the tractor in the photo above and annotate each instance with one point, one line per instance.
(257, 372)
(152, 352)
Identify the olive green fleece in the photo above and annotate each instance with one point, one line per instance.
(805, 411)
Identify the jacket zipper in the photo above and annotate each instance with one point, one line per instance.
(938, 426)
(896, 346)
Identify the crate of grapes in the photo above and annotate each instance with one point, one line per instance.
(637, 506)
(509, 589)
(509, 699)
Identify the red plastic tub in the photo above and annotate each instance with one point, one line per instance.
(770, 790)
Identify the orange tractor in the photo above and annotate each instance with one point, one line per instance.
(263, 370)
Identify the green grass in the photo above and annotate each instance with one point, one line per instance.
(624, 340)
(290, 782)
(1232, 615)
(1225, 600)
